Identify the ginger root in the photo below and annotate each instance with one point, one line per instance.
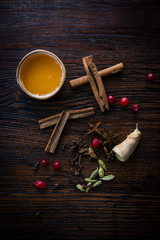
(124, 150)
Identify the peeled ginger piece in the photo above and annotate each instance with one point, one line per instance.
(124, 150)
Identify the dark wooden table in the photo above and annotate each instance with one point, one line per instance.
(112, 31)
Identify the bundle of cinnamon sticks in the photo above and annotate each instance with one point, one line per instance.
(95, 80)
(96, 83)
(75, 83)
(60, 121)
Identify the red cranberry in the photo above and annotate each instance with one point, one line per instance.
(111, 99)
(40, 184)
(135, 108)
(150, 76)
(56, 165)
(44, 162)
(124, 101)
(96, 142)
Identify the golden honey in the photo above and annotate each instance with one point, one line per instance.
(40, 74)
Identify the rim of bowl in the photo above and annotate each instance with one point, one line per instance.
(48, 95)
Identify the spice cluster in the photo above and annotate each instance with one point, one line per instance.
(98, 138)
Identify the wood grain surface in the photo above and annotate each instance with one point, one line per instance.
(112, 31)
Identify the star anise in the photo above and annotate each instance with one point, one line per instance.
(95, 128)
(111, 139)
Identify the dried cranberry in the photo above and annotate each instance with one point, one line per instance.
(150, 76)
(111, 99)
(96, 142)
(56, 165)
(40, 184)
(135, 108)
(124, 101)
(44, 162)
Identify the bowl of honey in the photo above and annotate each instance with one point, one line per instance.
(41, 74)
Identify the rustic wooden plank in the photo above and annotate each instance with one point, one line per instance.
(111, 31)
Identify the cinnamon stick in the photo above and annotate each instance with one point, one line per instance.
(73, 114)
(55, 136)
(80, 113)
(98, 79)
(48, 121)
(93, 85)
(105, 72)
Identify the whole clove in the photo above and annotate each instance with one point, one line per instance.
(79, 160)
(78, 170)
(35, 167)
(83, 150)
(74, 159)
(56, 185)
(76, 162)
